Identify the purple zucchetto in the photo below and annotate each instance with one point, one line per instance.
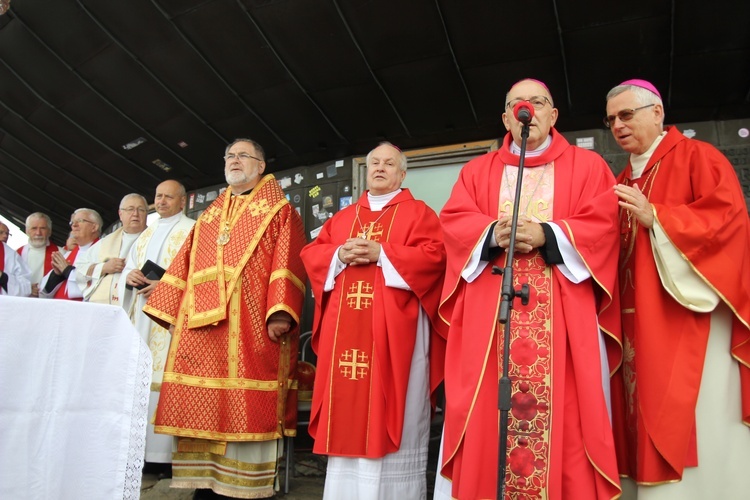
(642, 84)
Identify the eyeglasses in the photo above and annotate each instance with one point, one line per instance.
(625, 115)
(79, 221)
(538, 101)
(130, 210)
(241, 156)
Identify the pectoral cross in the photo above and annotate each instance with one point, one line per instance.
(372, 231)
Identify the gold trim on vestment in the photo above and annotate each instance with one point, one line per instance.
(609, 334)
(174, 281)
(233, 336)
(612, 481)
(705, 280)
(287, 274)
(187, 445)
(204, 275)
(224, 478)
(167, 318)
(646, 483)
(284, 373)
(223, 461)
(203, 318)
(496, 330)
(285, 308)
(460, 277)
(221, 383)
(217, 436)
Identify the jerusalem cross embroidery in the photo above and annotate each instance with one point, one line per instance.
(259, 207)
(372, 231)
(360, 295)
(210, 213)
(353, 364)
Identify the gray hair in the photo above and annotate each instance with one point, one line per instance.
(39, 215)
(401, 156)
(643, 97)
(134, 195)
(258, 147)
(95, 215)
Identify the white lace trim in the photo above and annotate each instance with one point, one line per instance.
(138, 424)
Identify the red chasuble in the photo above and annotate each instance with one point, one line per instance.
(560, 442)
(225, 379)
(364, 331)
(699, 203)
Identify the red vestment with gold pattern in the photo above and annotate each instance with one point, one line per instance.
(364, 331)
(225, 380)
(699, 203)
(560, 442)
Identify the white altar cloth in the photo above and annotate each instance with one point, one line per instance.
(75, 380)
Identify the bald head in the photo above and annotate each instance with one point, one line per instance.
(4, 233)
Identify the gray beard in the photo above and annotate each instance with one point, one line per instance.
(34, 244)
(235, 177)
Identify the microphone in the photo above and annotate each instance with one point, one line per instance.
(523, 112)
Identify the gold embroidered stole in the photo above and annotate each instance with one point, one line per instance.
(532, 368)
(352, 363)
(105, 292)
(215, 270)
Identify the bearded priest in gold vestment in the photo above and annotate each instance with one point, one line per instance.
(233, 294)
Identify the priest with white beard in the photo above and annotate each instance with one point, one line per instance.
(159, 243)
(37, 253)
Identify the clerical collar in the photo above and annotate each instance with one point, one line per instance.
(170, 220)
(378, 201)
(516, 149)
(638, 162)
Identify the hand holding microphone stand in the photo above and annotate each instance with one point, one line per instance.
(523, 112)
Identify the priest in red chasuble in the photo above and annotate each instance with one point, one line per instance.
(682, 398)
(563, 344)
(234, 294)
(376, 271)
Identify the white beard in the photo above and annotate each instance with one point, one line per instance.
(36, 244)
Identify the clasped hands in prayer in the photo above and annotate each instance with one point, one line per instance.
(359, 251)
(59, 264)
(529, 234)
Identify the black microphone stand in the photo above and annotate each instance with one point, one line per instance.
(506, 304)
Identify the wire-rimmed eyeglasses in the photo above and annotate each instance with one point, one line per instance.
(624, 115)
(79, 221)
